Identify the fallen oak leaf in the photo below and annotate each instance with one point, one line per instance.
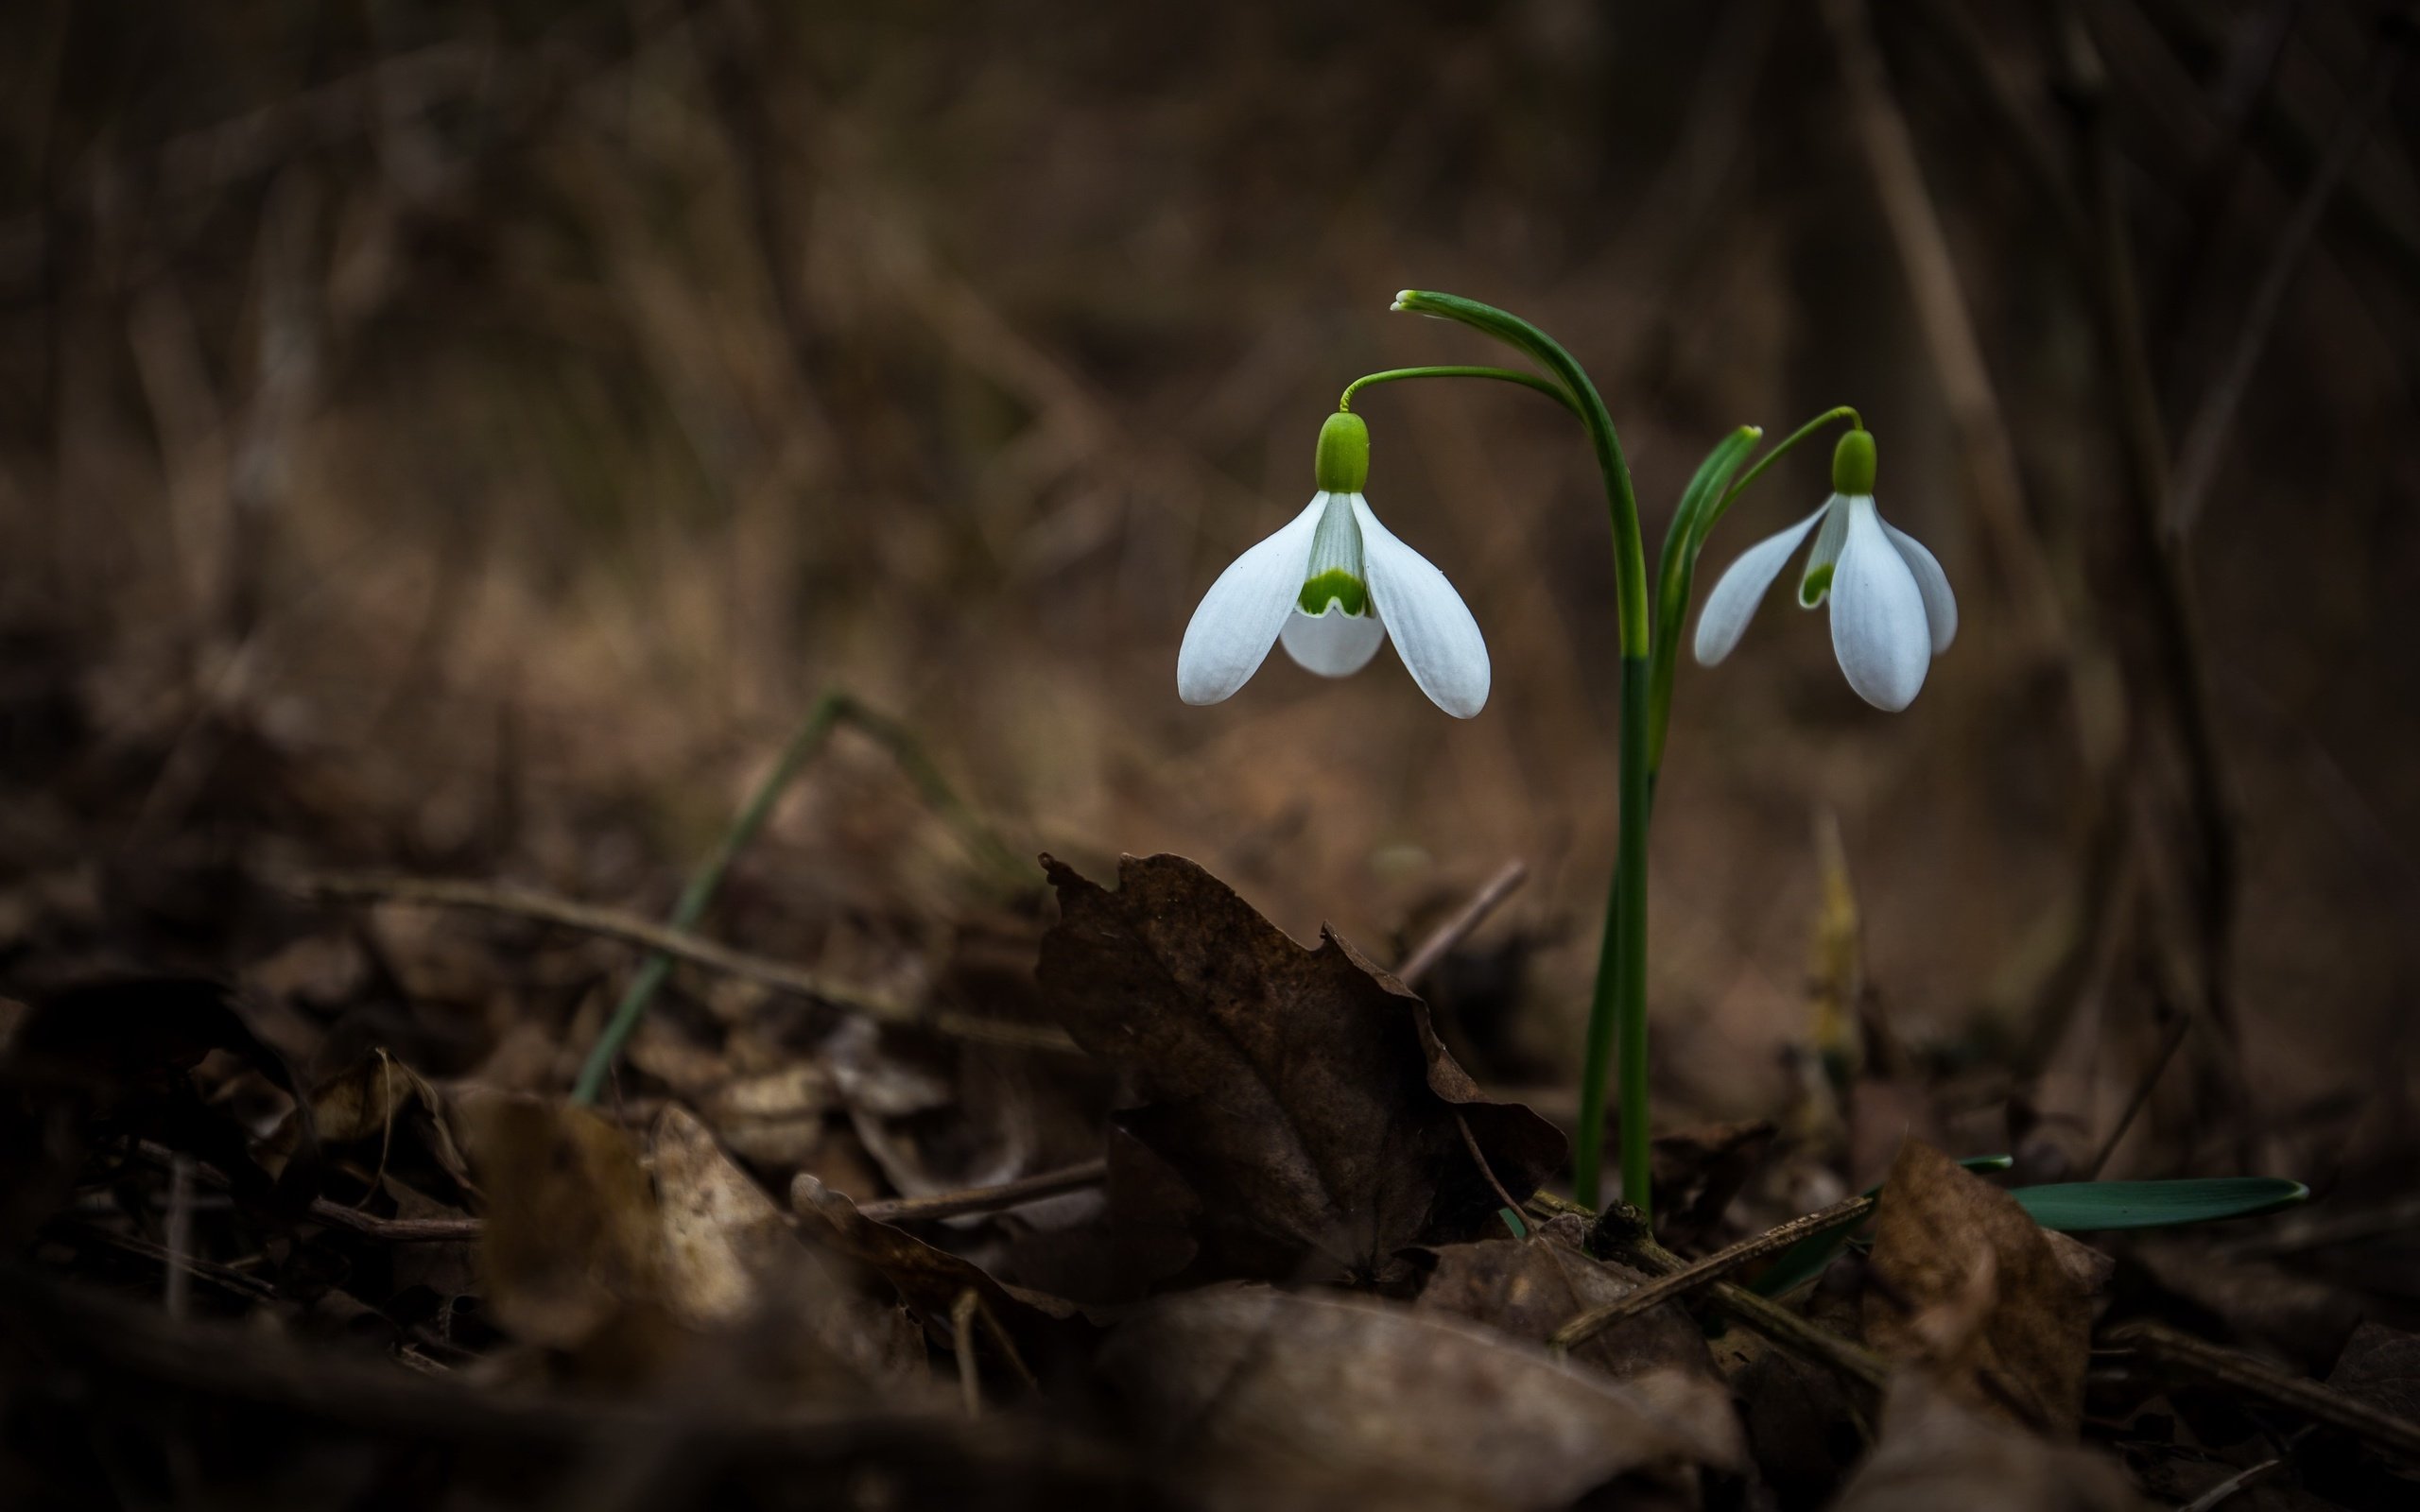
(1271, 1399)
(1303, 1095)
(1965, 1285)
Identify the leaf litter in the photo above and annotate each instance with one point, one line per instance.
(1264, 1241)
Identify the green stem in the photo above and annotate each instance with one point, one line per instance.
(703, 884)
(1618, 1011)
(1527, 380)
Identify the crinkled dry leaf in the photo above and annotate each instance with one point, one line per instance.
(1302, 1094)
(1272, 1399)
(571, 1237)
(724, 1240)
(378, 1101)
(1699, 1170)
(1965, 1285)
(731, 1259)
(1528, 1288)
(930, 1280)
(1935, 1455)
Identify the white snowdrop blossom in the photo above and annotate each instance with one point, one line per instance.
(1330, 586)
(1892, 608)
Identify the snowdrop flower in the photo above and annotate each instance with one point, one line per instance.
(1329, 587)
(1891, 609)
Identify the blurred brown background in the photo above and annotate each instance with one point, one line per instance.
(465, 439)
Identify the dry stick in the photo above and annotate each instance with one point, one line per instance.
(961, 1333)
(2259, 1378)
(2233, 1483)
(1941, 313)
(401, 1230)
(2197, 464)
(2141, 437)
(1489, 897)
(2142, 1094)
(1713, 1267)
(1478, 1158)
(614, 923)
(988, 1199)
(177, 1286)
(1807, 1339)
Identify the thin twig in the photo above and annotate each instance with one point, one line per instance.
(1809, 1340)
(1702, 1272)
(249, 1287)
(2142, 1094)
(2229, 1486)
(1489, 897)
(2197, 465)
(401, 1231)
(176, 1286)
(632, 929)
(2259, 1378)
(988, 1199)
(1944, 316)
(961, 1333)
(1478, 1158)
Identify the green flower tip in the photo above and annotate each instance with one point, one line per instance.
(1343, 463)
(1853, 465)
(1334, 586)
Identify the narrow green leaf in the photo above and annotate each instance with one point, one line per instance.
(2087, 1205)
(1512, 1221)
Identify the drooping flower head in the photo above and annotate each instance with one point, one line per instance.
(1892, 608)
(1330, 586)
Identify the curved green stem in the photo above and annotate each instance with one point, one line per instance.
(1704, 503)
(1527, 380)
(1618, 1011)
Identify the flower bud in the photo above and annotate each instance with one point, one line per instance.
(1343, 465)
(1853, 465)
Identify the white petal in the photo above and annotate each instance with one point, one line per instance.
(1878, 629)
(1334, 643)
(1433, 632)
(1941, 604)
(1826, 552)
(1734, 601)
(1240, 616)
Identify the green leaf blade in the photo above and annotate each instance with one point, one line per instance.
(2084, 1206)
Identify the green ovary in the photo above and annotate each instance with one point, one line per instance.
(1334, 586)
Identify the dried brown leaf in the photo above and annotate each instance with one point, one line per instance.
(1273, 1400)
(378, 1101)
(572, 1239)
(1528, 1288)
(1303, 1095)
(930, 1280)
(731, 1259)
(1934, 1454)
(1965, 1285)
